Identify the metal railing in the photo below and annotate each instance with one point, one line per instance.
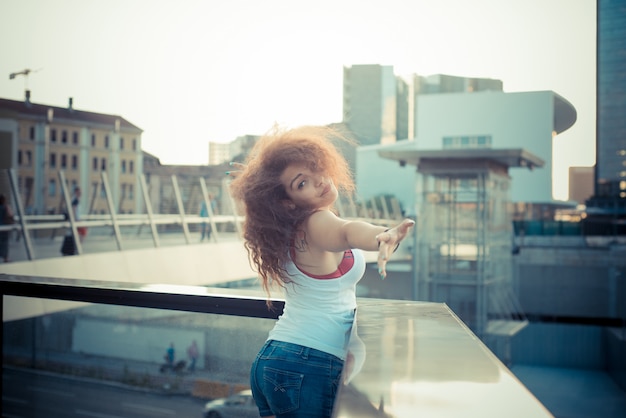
(381, 211)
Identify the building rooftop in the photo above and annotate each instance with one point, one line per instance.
(427, 160)
(36, 111)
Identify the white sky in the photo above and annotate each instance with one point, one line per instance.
(192, 71)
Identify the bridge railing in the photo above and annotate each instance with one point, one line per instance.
(150, 224)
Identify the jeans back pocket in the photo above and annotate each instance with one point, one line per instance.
(282, 389)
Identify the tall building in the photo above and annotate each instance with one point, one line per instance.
(241, 146)
(370, 103)
(218, 153)
(610, 182)
(377, 104)
(444, 83)
(43, 140)
(403, 108)
(580, 183)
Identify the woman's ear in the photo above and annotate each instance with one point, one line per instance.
(289, 204)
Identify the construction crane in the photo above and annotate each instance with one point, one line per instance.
(25, 72)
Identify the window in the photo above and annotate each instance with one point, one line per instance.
(121, 143)
(106, 141)
(131, 193)
(93, 140)
(53, 135)
(52, 187)
(123, 190)
(53, 160)
(19, 157)
(63, 161)
(123, 166)
(131, 166)
(75, 138)
(94, 165)
(29, 159)
(31, 133)
(134, 144)
(466, 141)
(64, 136)
(103, 165)
(74, 162)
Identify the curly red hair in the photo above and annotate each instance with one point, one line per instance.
(269, 223)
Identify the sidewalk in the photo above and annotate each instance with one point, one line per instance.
(103, 241)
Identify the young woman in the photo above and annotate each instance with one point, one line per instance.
(295, 239)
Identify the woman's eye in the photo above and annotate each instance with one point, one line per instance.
(301, 184)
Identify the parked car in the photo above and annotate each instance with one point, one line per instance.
(239, 405)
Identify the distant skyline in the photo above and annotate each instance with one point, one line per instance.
(195, 71)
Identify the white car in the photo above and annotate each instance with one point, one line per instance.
(239, 405)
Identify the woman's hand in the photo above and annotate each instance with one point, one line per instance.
(388, 242)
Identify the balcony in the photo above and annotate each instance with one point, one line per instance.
(415, 357)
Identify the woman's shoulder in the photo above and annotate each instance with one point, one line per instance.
(323, 230)
(321, 218)
(323, 212)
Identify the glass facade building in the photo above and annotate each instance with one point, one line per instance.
(610, 187)
(369, 103)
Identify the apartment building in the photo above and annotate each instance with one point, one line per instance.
(92, 149)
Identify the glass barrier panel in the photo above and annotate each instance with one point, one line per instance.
(98, 360)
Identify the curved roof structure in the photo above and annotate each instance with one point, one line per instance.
(564, 114)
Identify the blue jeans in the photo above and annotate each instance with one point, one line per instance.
(293, 381)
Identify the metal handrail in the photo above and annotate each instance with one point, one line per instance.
(24, 223)
(197, 299)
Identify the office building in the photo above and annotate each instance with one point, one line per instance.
(581, 181)
(403, 109)
(370, 103)
(219, 153)
(487, 119)
(445, 83)
(610, 182)
(236, 150)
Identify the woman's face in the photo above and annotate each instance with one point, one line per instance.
(308, 189)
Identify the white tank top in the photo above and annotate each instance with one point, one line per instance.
(319, 313)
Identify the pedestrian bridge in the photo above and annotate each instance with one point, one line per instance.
(126, 295)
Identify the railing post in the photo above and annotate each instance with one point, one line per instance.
(146, 198)
(116, 227)
(207, 202)
(233, 204)
(181, 209)
(70, 213)
(20, 212)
